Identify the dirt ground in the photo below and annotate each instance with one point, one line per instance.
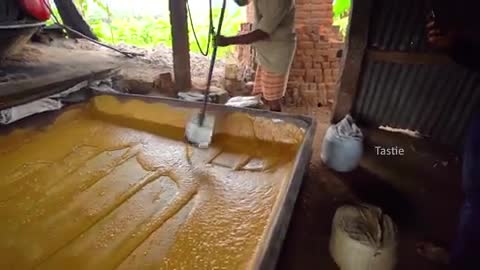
(149, 64)
(420, 191)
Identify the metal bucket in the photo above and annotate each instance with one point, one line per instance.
(14, 35)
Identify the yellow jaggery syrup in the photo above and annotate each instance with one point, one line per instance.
(112, 184)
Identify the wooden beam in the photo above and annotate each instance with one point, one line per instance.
(20, 92)
(415, 58)
(354, 54)
(180, 45)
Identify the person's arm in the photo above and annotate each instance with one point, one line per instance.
(271, 19)
(249, 38)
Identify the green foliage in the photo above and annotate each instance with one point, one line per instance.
(341, 9)
(82, 6)
(150, 31)
(342, 23)
(142, 32)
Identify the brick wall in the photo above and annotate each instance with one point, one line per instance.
(315, 68)
(245, 54)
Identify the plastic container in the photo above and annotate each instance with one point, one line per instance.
(342, 146)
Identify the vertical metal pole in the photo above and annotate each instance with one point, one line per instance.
(180, 45)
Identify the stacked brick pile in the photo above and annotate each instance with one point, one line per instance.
(315, 69)
(245, 54)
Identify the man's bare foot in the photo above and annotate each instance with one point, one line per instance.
(433, 253)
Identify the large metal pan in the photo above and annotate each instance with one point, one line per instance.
(269, 248)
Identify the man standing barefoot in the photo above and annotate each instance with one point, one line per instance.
(274, 39)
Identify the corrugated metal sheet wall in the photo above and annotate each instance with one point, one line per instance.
(436, 100)
(398, 25)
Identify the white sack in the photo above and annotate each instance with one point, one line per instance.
(363, 238)
(342, 146)
(245, 102)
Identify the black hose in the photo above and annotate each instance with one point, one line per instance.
(212, 64)
(211, 31)
(67, 28)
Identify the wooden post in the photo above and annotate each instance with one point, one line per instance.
(180, 45)
(354, 53)
(72, 17)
